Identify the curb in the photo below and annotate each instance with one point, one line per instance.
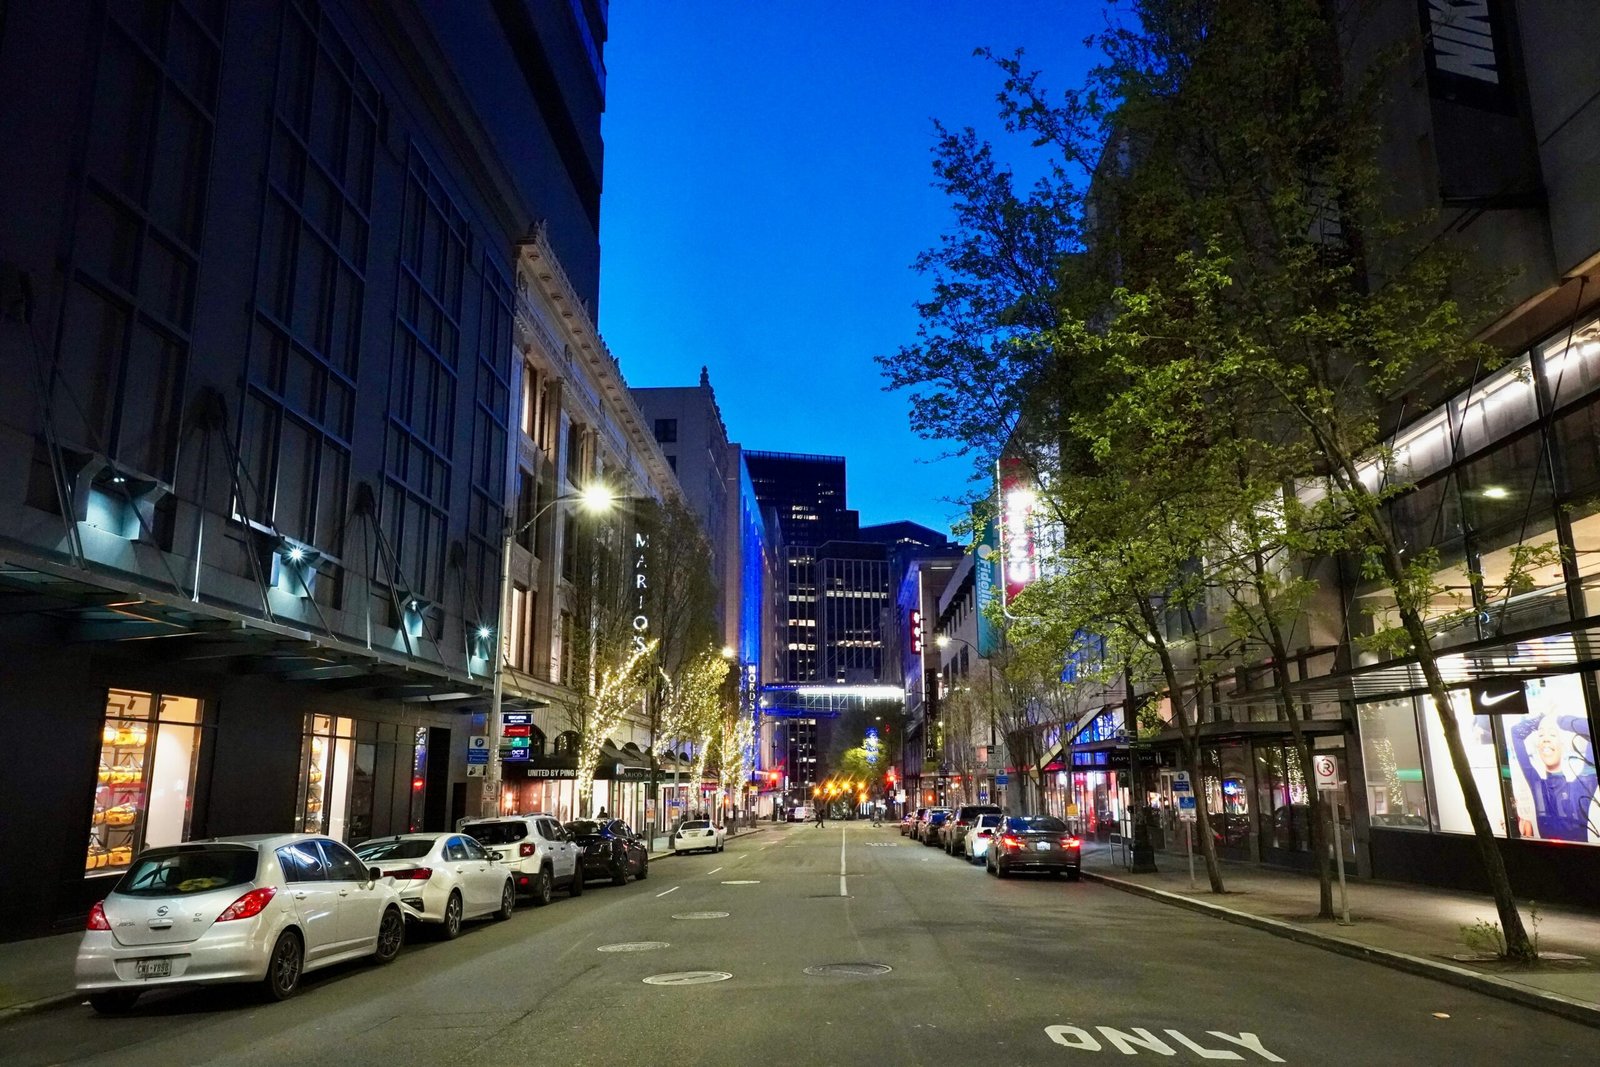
(1554, 1003)
(33, 1007)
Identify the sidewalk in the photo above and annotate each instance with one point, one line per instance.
(37, 973)
(1411, 928)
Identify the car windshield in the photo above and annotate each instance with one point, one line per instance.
(497, 833)
(408, 848)
(584, 828)
(1035, 824)
(697, 824)
(938, 816)
(162, 873)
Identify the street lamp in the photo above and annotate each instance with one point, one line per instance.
(595, 498)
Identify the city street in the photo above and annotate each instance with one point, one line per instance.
(1023, 971)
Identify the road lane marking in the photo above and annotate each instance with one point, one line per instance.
(674, 889)
(687, 978)
(714, 870)
(842, 891)
(743, 881)
(1130, 1041)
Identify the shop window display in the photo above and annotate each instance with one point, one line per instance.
(325, 775)
(1477, 735)
(1549, 753)
(1285, 807)
(1397, 794)
(148, 748)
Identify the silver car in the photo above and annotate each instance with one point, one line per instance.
(445, 877)
(264, 908)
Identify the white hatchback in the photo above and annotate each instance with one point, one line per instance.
(263, 908)
(979, 835)
(445, 877)
(697, 835)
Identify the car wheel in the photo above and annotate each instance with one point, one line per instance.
(543, 887)
(508, 902)
(619, 872)
(391, 935)
(1072, 875)
(284, 967)
(115, 1003)
(575, 887)
(644, 869)
(999, 870)
(988, 867)
(450, 929)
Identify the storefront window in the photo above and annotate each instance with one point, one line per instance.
(1285, 808)
(1550, 756)
(149, 745)
(1477, 735)
(1396, 793)
(1227, 788)
(325, 776)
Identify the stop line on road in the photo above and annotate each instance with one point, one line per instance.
(1131, 1041)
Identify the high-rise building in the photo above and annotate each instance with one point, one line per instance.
(265, 272)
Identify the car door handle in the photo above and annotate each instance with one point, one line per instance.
(344, 892)
(300, 894)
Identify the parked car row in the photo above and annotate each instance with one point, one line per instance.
(269, 908)
(1004, 844)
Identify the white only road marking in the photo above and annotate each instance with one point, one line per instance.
(674, 889)
(1130, 1041)
(714, 870)
(842, 891)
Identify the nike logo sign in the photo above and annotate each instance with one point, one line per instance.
(1490, 701)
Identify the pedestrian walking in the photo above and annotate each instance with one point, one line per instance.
(820, 824)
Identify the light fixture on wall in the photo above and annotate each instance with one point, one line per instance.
(294, 567)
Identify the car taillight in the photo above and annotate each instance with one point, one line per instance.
(525, 849)
(249, 905)
(985, 833)
(1010, 841)
(97, 917)
(1070, 842)
(419, 874)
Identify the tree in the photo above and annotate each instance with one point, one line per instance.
(620, 688)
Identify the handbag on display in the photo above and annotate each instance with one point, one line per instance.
(131, 736)
(96, 858)
(105, 773)
(121, 815)
(120, 856)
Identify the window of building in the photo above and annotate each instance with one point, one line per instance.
(672, 461)
(529, 406)
(1549, 760)
(516, 645)
(325, 775)
(1283, 803)
(1572, 363)
(667, 431)
(569, 547)
(1478, 736)
(577, 464)
(149, 749)
(527, 507)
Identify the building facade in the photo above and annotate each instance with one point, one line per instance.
(259, 269)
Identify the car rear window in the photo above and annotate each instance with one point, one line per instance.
(1038, 824)
(583, 828)
(411, 848)
(497, 833)
(938, 816)
(696, 824)
(161, 873)
(988, 820)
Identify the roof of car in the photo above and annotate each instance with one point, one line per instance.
(259, 840)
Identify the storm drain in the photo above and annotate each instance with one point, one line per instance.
(701, 915)
(633, 946)
(688, 978)
(848, 970)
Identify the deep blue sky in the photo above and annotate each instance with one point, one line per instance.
(767, 185)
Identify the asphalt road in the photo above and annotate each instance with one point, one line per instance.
(988, 972)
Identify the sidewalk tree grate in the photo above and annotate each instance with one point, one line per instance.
(701, 915)
(633, 946)
(688, 978)
(848, 970)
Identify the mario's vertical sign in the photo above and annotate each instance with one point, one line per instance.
(641, 588)
(1018, 523)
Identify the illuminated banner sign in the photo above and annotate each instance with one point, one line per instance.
(986, 575)
(1019, 556)
(516, 718)
(641, 587)
(517, 731)
(916, 633)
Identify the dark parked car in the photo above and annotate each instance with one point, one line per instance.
(908, 822)
(931, 823)
(1034, 843)
(610, 849)
(953, 834)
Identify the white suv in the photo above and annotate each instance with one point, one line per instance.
(537, 851)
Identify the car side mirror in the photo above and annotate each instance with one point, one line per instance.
(373, 874)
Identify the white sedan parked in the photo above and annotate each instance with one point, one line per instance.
(445, 877)
(978, 837)
(699, 835)
(263, 908)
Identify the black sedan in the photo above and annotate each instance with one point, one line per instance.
(1034, 843)
(610, 849)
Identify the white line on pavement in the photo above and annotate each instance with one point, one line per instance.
(674, 889)
(842, 891)
(714, 871)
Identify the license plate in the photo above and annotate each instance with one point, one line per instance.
(152, 968)
(1043, 846)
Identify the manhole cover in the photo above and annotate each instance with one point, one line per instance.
(688, 978)
(633, 946)
(701, 915)
(848, 970)
(743, 881)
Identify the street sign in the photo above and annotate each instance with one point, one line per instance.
(1186, 807)
(1327, 769)
(476, 756)
(1002, 779)
(514, 755)
(516, 718)
(1180, 783)
(477, 770)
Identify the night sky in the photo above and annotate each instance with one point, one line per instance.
(767, 186)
